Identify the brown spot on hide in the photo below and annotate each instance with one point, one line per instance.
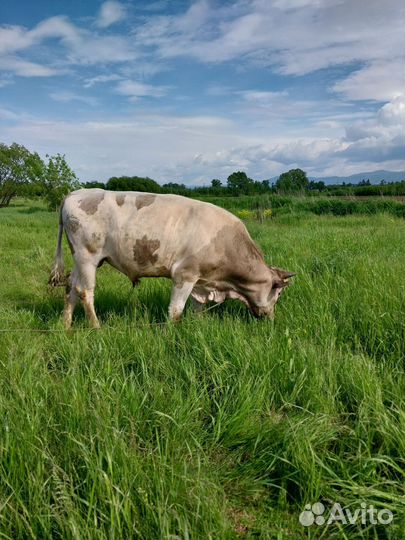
(82, 295)
(94, 244)
(144, 251)
(245, 245)
(230, 254)
(91, 202)
(162, 271)
(120, 199)
(91, 248)
(144, 200)
(72, 224)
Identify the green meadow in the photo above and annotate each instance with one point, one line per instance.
(217, 427)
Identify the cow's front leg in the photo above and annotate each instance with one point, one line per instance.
(180, 292)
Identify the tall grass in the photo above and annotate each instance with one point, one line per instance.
(316, 205)
(220, 426)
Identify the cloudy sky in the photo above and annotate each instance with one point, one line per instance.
(190, 90)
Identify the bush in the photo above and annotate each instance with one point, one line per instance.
(245, 214)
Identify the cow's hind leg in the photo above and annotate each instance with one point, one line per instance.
(85, 285)
(70, 299)
(180, 293)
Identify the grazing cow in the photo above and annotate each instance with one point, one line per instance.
(205, 250)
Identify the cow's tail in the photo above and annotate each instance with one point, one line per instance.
(57, 277)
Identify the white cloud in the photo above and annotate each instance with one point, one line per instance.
(64, 97)
(134, 89)
(91, 49)
(75, 46)
(12, 38)
(197, 148)
(380, 81)
(261, 97)
(110, 13)
(293, 37)
(305, 152)
(25, 68)
(88, 83)
(378, 139)
(388, 122)
(270, 129)
(144, 145)
(18, 38)
(393, 113)
(6, 114)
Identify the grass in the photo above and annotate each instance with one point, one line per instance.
(219, 427)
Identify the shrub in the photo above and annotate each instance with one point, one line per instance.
(260, 214)
(343, 208)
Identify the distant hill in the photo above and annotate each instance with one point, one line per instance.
(375, 177)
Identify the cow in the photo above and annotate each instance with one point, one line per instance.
(206, 251)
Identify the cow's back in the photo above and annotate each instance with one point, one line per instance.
(145, 233)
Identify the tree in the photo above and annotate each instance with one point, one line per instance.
(174, 187)
(292, 181)
(316, 186)
(266, 185)
(93, 184)
(133, 183)
(18, 167)
(58, 180)
(239, 182)
(215, 183)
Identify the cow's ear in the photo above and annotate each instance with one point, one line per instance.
(281, 277)
(285, 274)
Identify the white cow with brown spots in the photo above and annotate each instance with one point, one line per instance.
(205, 250)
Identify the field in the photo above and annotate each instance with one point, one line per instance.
(220, 426)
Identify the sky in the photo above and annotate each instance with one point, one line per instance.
(190, 90)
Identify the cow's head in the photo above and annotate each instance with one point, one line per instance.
(263, 304)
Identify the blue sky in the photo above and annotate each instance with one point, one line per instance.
(188, 91)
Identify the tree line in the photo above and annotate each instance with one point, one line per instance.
(25, 173)
(292, 182)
